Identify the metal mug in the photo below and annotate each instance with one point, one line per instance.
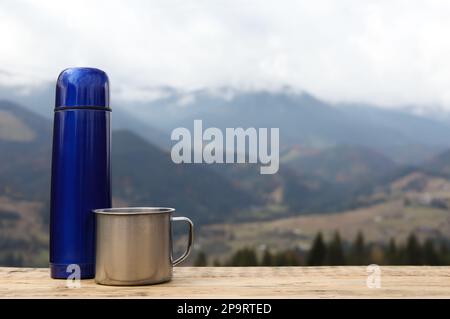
(134, 245)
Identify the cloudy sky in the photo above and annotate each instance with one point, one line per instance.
(385, 52)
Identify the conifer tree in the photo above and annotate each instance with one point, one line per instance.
(244, 257)
(430, 256)
(335, 253)
(318, 252)
(201, 260)
(413, 251)
(267, 259)
(358, 252)
(392, 253)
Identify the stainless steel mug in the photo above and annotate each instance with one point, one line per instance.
(134, 245)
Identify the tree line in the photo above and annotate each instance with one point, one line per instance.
(336, 252)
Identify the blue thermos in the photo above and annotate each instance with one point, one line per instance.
(80, 179)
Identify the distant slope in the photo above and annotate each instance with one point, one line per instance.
(143, 174)
(24, 162)
(344, 164)
(426, 136)
(25, 141)
(418, 129)
(27, 119)
(303, 120)
(332, 179)
(123, 120)
(379, 223)
(439, 164)
(41, 101)
(146, 176)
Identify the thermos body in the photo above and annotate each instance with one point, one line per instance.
(81, 169)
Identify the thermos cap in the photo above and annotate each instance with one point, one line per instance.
(82, 88)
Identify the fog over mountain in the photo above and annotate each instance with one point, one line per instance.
(302, 118)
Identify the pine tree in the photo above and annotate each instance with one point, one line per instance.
(392, 253)
(267, 259)
(335, 253)
(444, 253)
(358, 252)
(318, 252)
(244, 257)
(280, 259)
(430, 256)
(413, 251)
(201, 260)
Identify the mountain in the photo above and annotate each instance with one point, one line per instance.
(420, 129)
(312, 181)
(41, 100)
(331, 161)
(144, 175)
(343, 164)
(24, 186)
(19, 124)
(304, 120)
(439, 164)
(408, 200)
(25, 157)
(326, 180)
(123, 120)
(425, 136)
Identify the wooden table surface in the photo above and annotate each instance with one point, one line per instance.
(243, 282)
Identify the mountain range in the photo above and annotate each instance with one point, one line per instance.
(143, 174)
(303, 119)
(333, 158)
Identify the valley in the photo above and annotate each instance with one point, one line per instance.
(416, 203)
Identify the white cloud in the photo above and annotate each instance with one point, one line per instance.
(386, 52)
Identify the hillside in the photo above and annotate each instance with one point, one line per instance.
(304, 120)
(143, 175)
(439, 164)
(411, 200)
(343, 164)
(379, 223)
(414, 203)
(142, 172)
(24, 185)
(344, 186)
(25, 144)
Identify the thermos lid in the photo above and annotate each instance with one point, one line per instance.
(82, 88)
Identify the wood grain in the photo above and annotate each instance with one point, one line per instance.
(243, 282)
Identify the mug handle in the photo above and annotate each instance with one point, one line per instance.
(190, 239)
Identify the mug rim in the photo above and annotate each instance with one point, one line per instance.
(134, 210)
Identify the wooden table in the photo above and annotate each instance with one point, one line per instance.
(243, 282)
